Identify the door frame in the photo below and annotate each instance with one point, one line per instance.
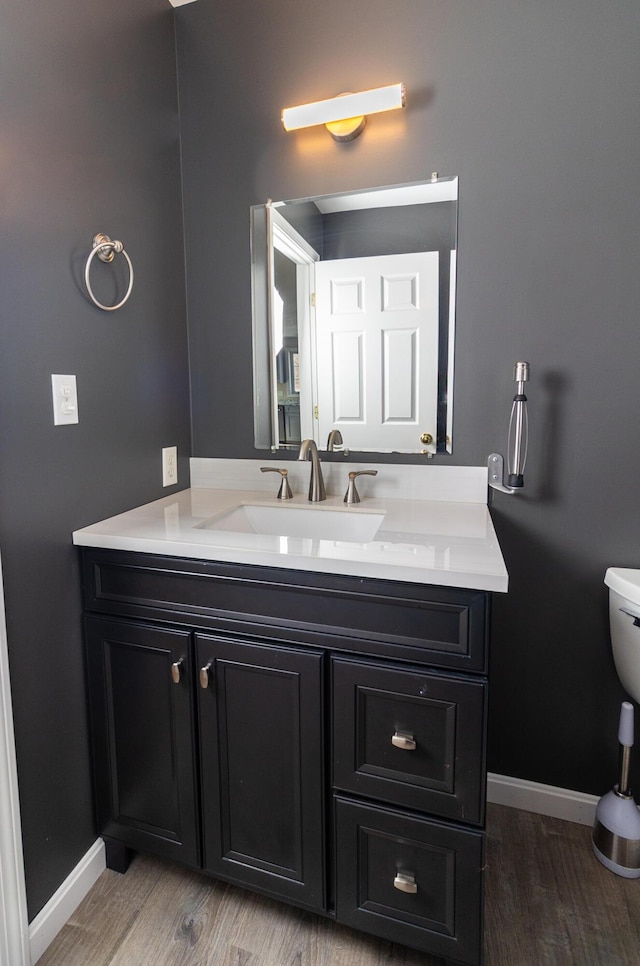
(14, 926)
(284, 237)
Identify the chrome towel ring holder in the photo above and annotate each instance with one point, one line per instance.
(106, 250)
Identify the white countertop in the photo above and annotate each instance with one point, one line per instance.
(450, 544)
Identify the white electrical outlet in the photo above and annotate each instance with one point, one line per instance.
(169, 465)
(65, 400)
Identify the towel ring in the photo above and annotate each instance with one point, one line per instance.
(106, 250)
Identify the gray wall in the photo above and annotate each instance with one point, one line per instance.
(534, 106)
(89, 143)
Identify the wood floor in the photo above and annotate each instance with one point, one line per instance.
(548, 903)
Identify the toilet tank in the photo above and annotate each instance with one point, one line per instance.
(624, 624)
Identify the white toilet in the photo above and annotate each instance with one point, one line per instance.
(624, 622)
(616, 831)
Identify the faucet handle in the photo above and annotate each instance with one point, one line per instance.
(284, 493)
(352, 495)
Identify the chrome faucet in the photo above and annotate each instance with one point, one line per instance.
(309, 451)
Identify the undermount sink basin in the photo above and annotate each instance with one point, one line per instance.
(315, 523)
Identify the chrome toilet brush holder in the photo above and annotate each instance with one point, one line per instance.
(616, 833)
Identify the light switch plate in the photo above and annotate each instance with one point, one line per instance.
(65, 400)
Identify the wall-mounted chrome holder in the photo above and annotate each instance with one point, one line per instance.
(496, 474)
(518, 440)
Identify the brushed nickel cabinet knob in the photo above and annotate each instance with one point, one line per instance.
(405, 882)
(403, 740)
(204, 676)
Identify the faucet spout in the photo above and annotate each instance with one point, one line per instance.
(309, 451)
(335, 442)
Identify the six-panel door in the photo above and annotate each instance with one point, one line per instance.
(140, 688)
(260, 717)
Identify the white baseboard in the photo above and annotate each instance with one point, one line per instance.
(63, 903)
(543, 799)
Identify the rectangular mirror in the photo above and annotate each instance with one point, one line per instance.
(353, 318)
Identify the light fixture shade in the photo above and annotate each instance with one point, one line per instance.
(345, 106)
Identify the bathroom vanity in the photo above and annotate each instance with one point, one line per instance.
(302, 717)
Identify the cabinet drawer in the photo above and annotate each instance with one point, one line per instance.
(441, 863)
(410, 738)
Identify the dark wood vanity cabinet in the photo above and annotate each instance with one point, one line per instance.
(317, 738)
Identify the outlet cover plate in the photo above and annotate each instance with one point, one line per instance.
(169, 465)
(65, 399)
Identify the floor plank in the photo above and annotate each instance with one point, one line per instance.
(548, 903)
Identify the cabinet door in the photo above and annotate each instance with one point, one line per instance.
(410, 880)
(260, 713)
(143, 737)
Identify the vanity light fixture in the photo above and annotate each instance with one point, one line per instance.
(518, 440)
(345, 116)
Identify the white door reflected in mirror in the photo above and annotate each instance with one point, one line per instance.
(377, 350)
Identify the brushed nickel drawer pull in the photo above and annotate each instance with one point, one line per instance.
(405, 882)
(176, 670)
(204, 676)
(403, 740)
